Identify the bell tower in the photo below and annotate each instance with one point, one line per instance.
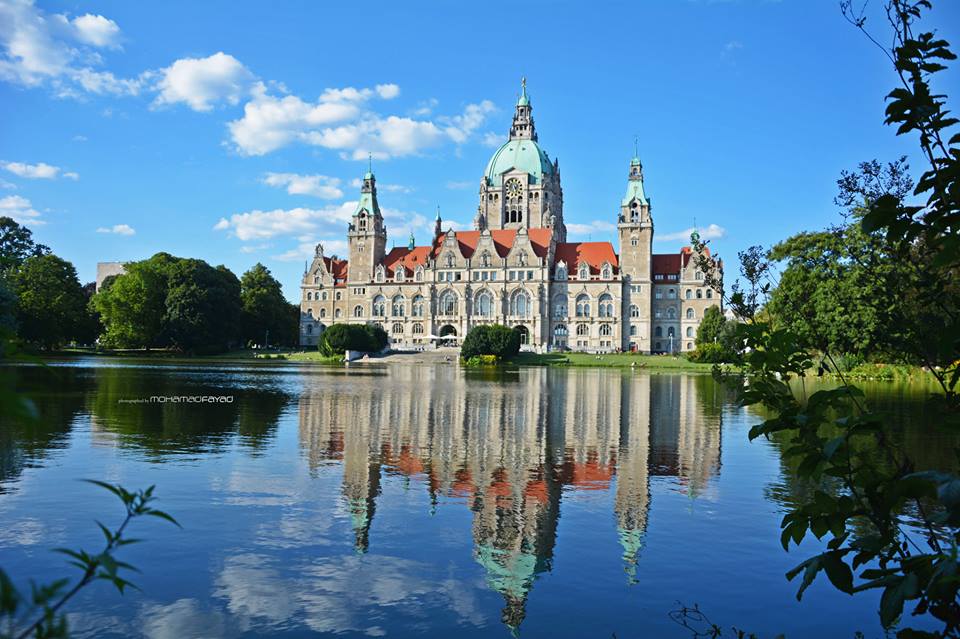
(635, 230)
(366, 233)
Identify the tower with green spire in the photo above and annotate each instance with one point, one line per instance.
(635, 231)
(366, 233)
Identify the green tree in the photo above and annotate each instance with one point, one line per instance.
(8, 308)
(131, 307)
(202, 307)
(16, 245)
(51, 305)
(265, 310)
(494, 339)
(340, 338)
(711, 326)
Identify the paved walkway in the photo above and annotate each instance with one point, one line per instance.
(428, 357)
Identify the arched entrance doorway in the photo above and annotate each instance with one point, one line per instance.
(448, 335)
(524, 335)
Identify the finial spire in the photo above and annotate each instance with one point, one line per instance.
(369, 162)
(636, 146)
(438, 212)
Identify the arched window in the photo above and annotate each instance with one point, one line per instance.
(323, 296)
(671, 313)
(582, 329)
(689, 294)
(606, 272)
(358, 311)
(399, 274)
(689, 331)
(689, 346)
(605, 305)
(337, 296)
(670, 332)
(309, 329)
(606, 330)
(362, 222)
(323, 312)
(634, 310)
(584, 272)
(485, 259)
(397, 327)
(658, 332)
(418, 274)
(336, 314)
(709, 294)
(520, 304)
(699, 293)
(448, 260)
(309, 296)
(396, 306)
(583, 305)
(560, 330)
(448, 303)
(483, 304)
(417, 307)
(418, 329)
(310, 313)
(560, 306)
(378, 274)
(672, 294)
(379, 306)
(561, 273)
(633, 331)
(690, 313)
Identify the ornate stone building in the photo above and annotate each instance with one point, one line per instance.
(515, 268)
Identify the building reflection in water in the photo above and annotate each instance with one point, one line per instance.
(510, 447)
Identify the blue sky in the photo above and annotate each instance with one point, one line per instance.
(235, 132)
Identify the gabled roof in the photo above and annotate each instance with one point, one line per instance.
(666, 264)
(503, 240)
(592, 253)
(337, 268)
(402, 256)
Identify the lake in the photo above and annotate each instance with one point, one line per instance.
(415, 501)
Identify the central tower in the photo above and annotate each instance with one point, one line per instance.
(521, 186)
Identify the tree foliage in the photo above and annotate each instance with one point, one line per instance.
(339, 338)
(51, 306)
(266, 313)
(16, 245)
(493, 339)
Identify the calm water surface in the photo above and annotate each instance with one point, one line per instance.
(415, 501)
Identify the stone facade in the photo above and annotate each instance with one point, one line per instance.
(514, 268)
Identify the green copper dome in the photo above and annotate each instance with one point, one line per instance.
(525, 155)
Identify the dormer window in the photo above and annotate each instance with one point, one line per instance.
(398, 274)
(379, 274)
(584, 272)
(561, 271)
(418, 274)
(606, 272)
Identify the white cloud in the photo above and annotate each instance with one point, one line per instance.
(39, 171)
(96, 30)
(388, 91)
(261, 225)
(459, 185)
(491, 139)
(269, 122)
(71, 175)
(306, 249)
(20, 209)
(7, 185)
(597, 226)
(711, 232)
(201, 83)
(38, 48)
(316, 185)
(117, 229)
(339, 121)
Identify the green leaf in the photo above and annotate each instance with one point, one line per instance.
(162, 515)
(838, 572)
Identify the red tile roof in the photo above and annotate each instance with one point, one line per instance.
(337, 268)
(593, 253)
(503, 240)
(666, 264)
(403, 256)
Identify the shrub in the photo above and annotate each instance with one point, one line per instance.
(710, 353)
(495, 339)
(352, 337)
(481, 360)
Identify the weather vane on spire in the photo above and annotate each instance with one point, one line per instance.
(369, 162)
(636, 146)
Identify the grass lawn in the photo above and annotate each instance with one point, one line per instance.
(610, 360)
